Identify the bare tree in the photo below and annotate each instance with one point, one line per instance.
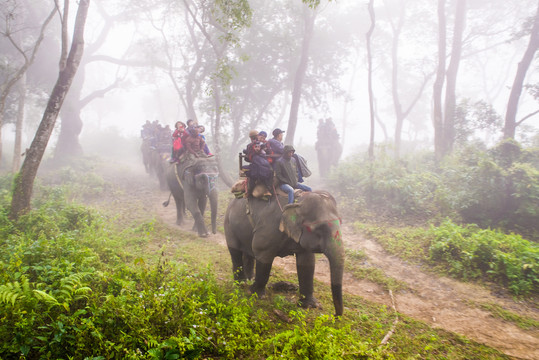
(439, 82)
(369, 61)
(516, 89)
(28, 56)
(24, 183)
(309, 16)
(451, 76)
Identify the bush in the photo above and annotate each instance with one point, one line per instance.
(390, 187)
(495, 188)
(471, 253)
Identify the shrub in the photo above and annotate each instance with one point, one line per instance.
(495, 188)
(471, 253)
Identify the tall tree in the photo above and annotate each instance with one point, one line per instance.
(24, 182)
(451, 76)
(516, 89)
(369, 69)
(68, 144)
(18, 44)
(401, 112)
(439, 83)
(309, 15)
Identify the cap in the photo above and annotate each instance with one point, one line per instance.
(288, 148)
(277, 132)
(253, 133)
(263, 133)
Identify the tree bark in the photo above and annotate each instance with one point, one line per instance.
(516, 89)
(439, 83)
(309, 16)
(451, 76)
(24, 182)
(369, 61)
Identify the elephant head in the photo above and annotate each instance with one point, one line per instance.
(314, 223)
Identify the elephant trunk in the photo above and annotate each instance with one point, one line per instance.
(335, 254)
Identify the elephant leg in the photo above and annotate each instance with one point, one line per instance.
(305, 268)
(261, 278)
(248, 266)
(237, 264)
(191, 202)
(179, 208)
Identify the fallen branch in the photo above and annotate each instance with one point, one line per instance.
(388, 335)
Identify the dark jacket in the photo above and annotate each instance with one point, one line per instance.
(286, 171)
(260, 168)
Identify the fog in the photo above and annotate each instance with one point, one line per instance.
(157, 63)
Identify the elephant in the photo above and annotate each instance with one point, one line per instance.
(146, 151)
(159, 163)
(258, 230)
(328, 156)
(191, 189)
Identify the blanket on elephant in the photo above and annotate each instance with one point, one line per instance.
(194, 164)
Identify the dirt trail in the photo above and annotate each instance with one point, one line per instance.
(438, 301)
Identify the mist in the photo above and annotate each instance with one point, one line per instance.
(167, 61)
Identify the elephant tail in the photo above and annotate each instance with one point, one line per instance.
(165, 203)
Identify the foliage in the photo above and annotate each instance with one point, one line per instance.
(472, 253)
(390, 187)
(495, 188)
(466, 252)
(473, 117)
(323, 341)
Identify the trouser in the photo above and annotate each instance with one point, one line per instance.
(290, 190)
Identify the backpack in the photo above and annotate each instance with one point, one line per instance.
(302, 163)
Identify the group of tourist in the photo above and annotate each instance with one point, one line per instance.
(188, 141)
(269, 159)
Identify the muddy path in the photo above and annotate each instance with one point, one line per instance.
(438, 301)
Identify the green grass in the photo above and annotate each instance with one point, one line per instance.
(358, 267)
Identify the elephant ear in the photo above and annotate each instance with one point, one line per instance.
(291, 222)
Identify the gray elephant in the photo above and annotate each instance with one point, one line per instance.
(191, 189)
(261, 230)
(328, 156)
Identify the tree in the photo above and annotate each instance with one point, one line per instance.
(68, 145)
(401, 113)
(369, 61)
(516, 89)
(24, 181)
(451, 76)
(10, 15)
(309, 16)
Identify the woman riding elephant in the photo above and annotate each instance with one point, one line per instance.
(259, 229)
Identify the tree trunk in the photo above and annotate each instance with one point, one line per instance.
(68, 145)
(16, 164)
(369, 61)
(395, 80)
(308, 16)
(439, 83)
(451, 85)
(516, 89)
(24, 183)
(216, 131)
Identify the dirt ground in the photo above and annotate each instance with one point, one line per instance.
(438, 301)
